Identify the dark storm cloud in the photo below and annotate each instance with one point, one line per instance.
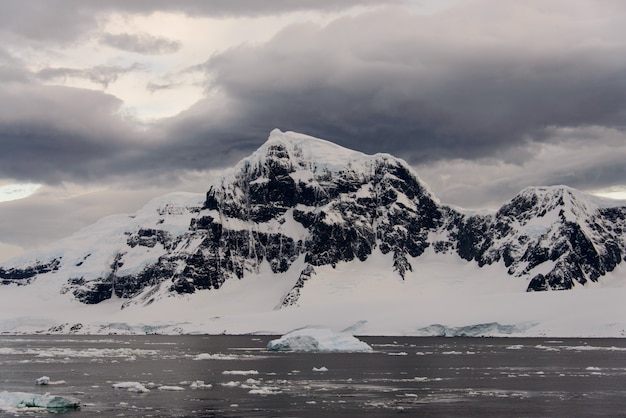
(65, 20)
(141, 43)
(490, 80)
(51, 134)
(427, 87)
(102, 74)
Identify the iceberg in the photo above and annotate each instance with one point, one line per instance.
(317, 339)
(19, 400)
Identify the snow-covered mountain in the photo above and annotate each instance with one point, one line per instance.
(301, 211)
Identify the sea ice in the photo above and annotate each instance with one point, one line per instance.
(240, 372)
(317, 339)
(199, 384)
(219, 356)
(131, 387)
(267, 390)
(171, 388)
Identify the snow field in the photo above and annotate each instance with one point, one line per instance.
(363, 297)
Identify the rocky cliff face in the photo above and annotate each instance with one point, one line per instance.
(304, 202)
(555, 236)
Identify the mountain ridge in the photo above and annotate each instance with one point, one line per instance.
(298, 204)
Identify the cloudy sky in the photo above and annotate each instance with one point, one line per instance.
(106, 104)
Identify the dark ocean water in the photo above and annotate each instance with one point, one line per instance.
(404, 376)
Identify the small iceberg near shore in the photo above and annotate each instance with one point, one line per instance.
(318, 339)
(19, 400)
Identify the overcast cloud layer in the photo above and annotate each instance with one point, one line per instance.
(483, 98)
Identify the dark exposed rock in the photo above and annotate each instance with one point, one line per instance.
(23, 276)
(92, 291)
(291, 298)
(149, 237)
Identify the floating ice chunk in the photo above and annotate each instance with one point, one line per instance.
(317, 339)
(208, 356)
(43, 380)
(19, 400)
(171, 388)
(131, 387)
(220, 356)
(199, 384)
(266, 390)
(240, 372)
(320, 369)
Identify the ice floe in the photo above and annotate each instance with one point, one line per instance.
(131, 387)
(240, 372)
(171, 388)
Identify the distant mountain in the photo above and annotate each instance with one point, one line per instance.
(298, 204)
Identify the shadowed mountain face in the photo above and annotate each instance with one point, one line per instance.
(298, 203)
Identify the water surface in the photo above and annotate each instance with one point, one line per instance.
(417, 376)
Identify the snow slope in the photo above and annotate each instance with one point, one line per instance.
(363, 299)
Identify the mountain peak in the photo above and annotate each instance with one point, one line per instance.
(297, 147)
(538, 201)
